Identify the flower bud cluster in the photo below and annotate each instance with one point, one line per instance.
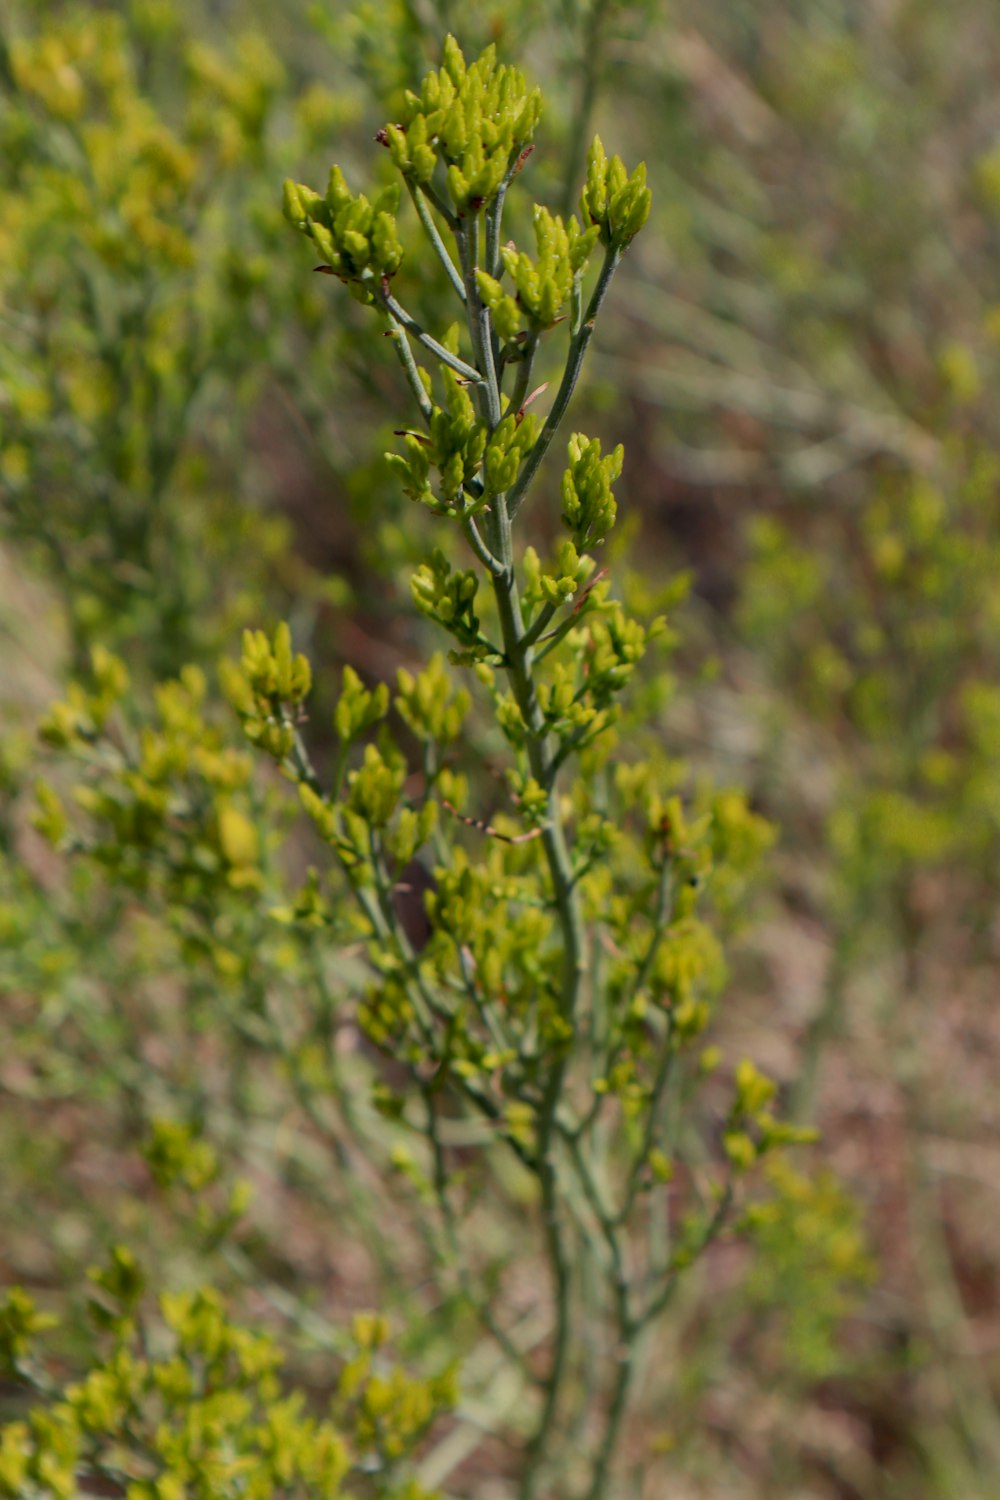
(172, 810)
(83, 713)
(358, 708)
(752, 1130)
(614, 643)
(510, 443)
(453, 446)
(566, 575)
(357, 239)
(473, 464)
(543, 285)
(448, 595)
(429, 704)
(274, 684)
(617, 203)
(183, 1400)
(465, 908)
(589, 507)
(375, 787)
(569, 711)
(476, 120)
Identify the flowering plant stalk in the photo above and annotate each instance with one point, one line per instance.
(542, 970)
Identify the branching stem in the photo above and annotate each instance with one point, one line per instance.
(389, 305)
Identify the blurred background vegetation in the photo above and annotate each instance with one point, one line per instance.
(800, 357)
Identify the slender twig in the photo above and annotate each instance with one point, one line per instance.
(494, 214)
(571, 374)
(606, 1219)
(437, 202)
(305, 771)
(663, 1070)
(658, 1302)
(627, 1326)
(489, 830)
(549, 642)
(624, 1370)
(480, 327)
(559, 1267)
(492, 564)
(388, 303)
(339, 771)
(524, 368)
(661, 921)
(540, 624)
(572, 745)
(467, 1285)
(440, 249)
(409, 364)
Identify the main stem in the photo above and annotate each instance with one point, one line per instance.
(519, 665)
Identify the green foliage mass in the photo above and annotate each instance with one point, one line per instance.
(180, 1399)
(131, 276)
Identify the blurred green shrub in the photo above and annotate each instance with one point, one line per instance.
(130, 256)
(180, 1399)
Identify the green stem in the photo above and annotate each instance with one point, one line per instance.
(492, 564)
(409, 364)
(431, 229)
(624, 1369)
(551, 641)
(389, 305)
(539, 624)
(627, 1327)
(518, 666)
(494, 213)
(576, 742)
(658, 1302)
(661, 921)
(480, 326)
(520, 392)
(339, 771)
(649, 1133)
(436, 201)
(466, 1282)
(560, 1272)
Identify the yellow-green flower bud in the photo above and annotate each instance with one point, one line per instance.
(338, 194)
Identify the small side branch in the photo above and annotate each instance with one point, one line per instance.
(440, 248)
(402, 344)
(571, 374)
(389, 305)
(489, 830)
(492, 564)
